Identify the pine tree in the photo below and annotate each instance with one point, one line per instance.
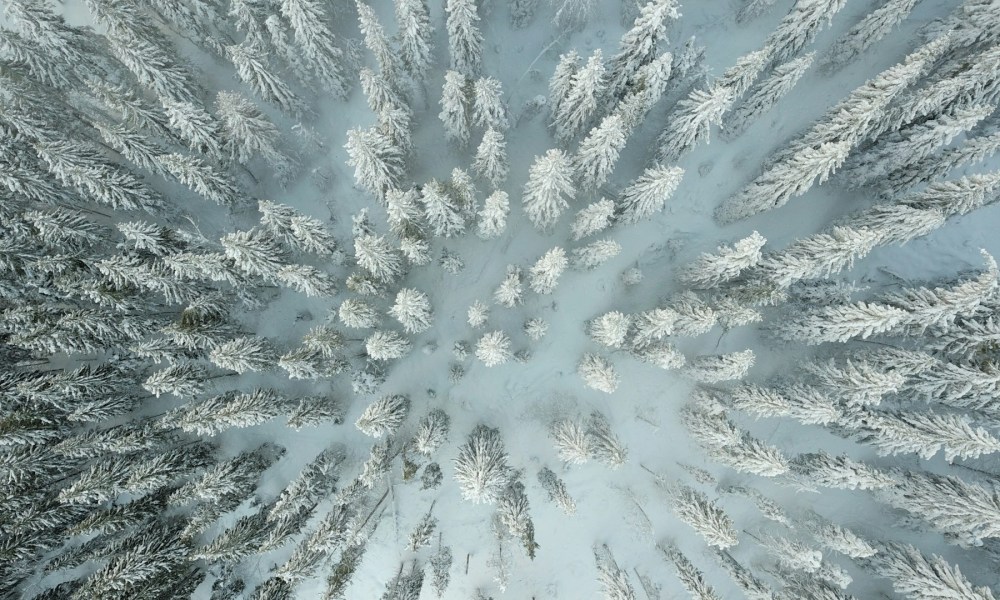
(254, 69)
(478, 314)
(432, 431)
(712, 270)
(465, 41)
(705, 517)
(839, 472)
(413, 310)
(445, 213)
(310, 23)
(244, 354)
(544, 274)
(200, 177)
(491, 158)
(488, 109)
(376, 40)
(571, 441)
(592, 219)
(510, 292)
(610, 329)
(766, 94)
(493, 215)
(481, 467)
(296, 230)
(440, 563)
(375, 255)
(964, 512)
(248, 133)
(579, 104)
(597, 156)
(690, 577)
(917, 576)
(416, 36)
(692, 121)
(386, 345)
(603, 444)
(384, 416)
(556, 490)
(512, 510)
(549, 186)
(377, 162)
(866, 33)
(255, 252)
(571, 15)
(648, 194)
(613, 579)
(562, 80)
(598, 373)
(493, 349)
(800, 26)
(455, 113)
(638, 46)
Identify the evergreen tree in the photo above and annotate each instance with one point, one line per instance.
(544, 274)
(592, 219)
(488, 109)
(648, 194)
(638, 46)
(386, 345)
(491, 158)
(917, 576)
(562, 80)
(766, 94)
(384, 416)
(377, 162)
(415, 37)
(465, 41)
(455, 113)
(598, 153)
(549, 186)
(493, 349)
(510, 292)
(579, 104)
(481, 467)
(690, 577)
(254, 69)
(598, 373)
(866, 33)
(493, 215)
(413, 310)
(310, 23)
(712, 270)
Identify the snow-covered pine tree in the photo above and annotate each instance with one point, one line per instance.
(386, 345)
(648, 194)
(376, 256)
(544, 274)
(412, 309)
(309, 21)
(765, 95)
(455, 112)
(493, 349)
(561, 81)
(510, 292)
(597, 155)
(571, 441)
(488, 108)
(690, 577)
(914, 575)
(598, 373)
(444, 211)
(481, 467)
(377, 161)
(614, 580)
(415, 36)
(579, 105)
(465, 41)
(705, 517)
(801, 25)
(712, 270)
(493, 215)
(556, 490)
(432, 431)
(549, 186)
(384, 416)
(638, 45)
(602, 442)
(254, 69)
(866, 33)
(491, 158)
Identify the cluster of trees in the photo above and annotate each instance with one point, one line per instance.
(127, 358)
